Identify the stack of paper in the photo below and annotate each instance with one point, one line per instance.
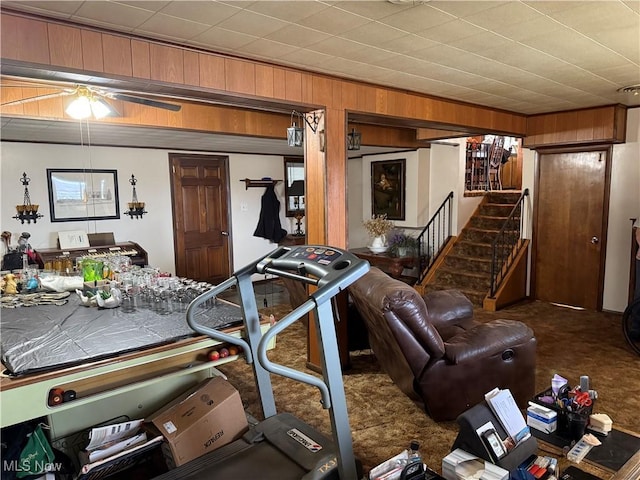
(506, 410)
(112, 442)
(461, 465)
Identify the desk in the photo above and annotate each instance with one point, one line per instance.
(388, 263)
(618, 458)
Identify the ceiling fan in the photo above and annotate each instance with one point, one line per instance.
(88, 99)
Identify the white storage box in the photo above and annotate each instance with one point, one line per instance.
(542, 418)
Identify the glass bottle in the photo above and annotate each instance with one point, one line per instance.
(414, 469)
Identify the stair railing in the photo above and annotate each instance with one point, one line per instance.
(507, 243)
(434, 236)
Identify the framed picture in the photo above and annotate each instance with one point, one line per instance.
(388, 188)
(80, 194)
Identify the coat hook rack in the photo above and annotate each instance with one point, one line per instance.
(264, 182)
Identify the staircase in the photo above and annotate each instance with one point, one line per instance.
(466, 264)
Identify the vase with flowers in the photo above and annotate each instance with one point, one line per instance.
(378, 226)
(402, 245)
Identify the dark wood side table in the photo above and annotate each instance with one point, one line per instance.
(394, 266)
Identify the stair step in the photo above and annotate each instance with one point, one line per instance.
(473, 249)
(503, 197)
(487, 222)
(466, 263)
(479, 235)
(452, 276)
(495, 209)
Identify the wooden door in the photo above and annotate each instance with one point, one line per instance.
(570, 227)
(200, 191)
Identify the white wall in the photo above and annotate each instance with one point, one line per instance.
(417, 190)
(624, 203)
(153, 232)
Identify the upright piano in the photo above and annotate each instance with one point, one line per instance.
(135, 252)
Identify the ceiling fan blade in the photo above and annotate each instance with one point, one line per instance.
(36, 98)
(146, 101)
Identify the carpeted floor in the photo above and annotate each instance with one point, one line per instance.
(384, 421)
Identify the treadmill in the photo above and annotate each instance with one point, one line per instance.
(282, 447)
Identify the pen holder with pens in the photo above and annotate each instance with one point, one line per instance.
(573, 410)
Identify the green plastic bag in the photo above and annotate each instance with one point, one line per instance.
(36, 456)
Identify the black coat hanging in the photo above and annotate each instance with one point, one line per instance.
(269, 225)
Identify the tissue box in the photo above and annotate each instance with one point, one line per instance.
(542, 418)
(461, 465)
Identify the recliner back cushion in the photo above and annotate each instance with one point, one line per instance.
(402, 303)
(406, 304)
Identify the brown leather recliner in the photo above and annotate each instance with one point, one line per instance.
(434, 350)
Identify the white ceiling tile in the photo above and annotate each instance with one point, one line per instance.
(480, 42)
(374, 56)
(112, 13)
(63, 9)
(633, 5)
(211, 13)
(370, 9)
(338, 47)
(595, 13)
(219, 37)
(172, 27)
(374, 33)
(306, 57)
(417, 18)
(267, 49)
(621, 75)
(465, 9)
(287, 10)
(623, 40)
(450, 31)
(333, 21)
(409, 43)
(252, 23)
(506, 13)
(297, 35)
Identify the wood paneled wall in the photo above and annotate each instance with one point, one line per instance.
(585, 126)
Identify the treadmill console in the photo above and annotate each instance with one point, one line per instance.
(319, 265)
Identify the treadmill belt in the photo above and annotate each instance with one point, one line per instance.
(267, 452)
(261, 461)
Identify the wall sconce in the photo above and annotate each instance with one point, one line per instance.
(87, 104)
(295, 134)
(353, 140)
(27, 211)
(136, 208)
(296, 190)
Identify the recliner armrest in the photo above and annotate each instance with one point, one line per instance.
(485, 340)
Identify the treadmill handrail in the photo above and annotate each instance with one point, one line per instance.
(216, 334)
(288, 372)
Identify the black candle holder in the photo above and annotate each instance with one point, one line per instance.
(136, 208)
(27, 212)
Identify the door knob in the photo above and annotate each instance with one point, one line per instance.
(594, 240)
(226, 234)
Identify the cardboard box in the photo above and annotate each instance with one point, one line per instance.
(202, 419)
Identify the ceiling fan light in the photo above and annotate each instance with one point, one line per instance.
(79, 108)
(100, 108)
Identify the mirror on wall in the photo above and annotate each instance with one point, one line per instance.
(294, 186)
